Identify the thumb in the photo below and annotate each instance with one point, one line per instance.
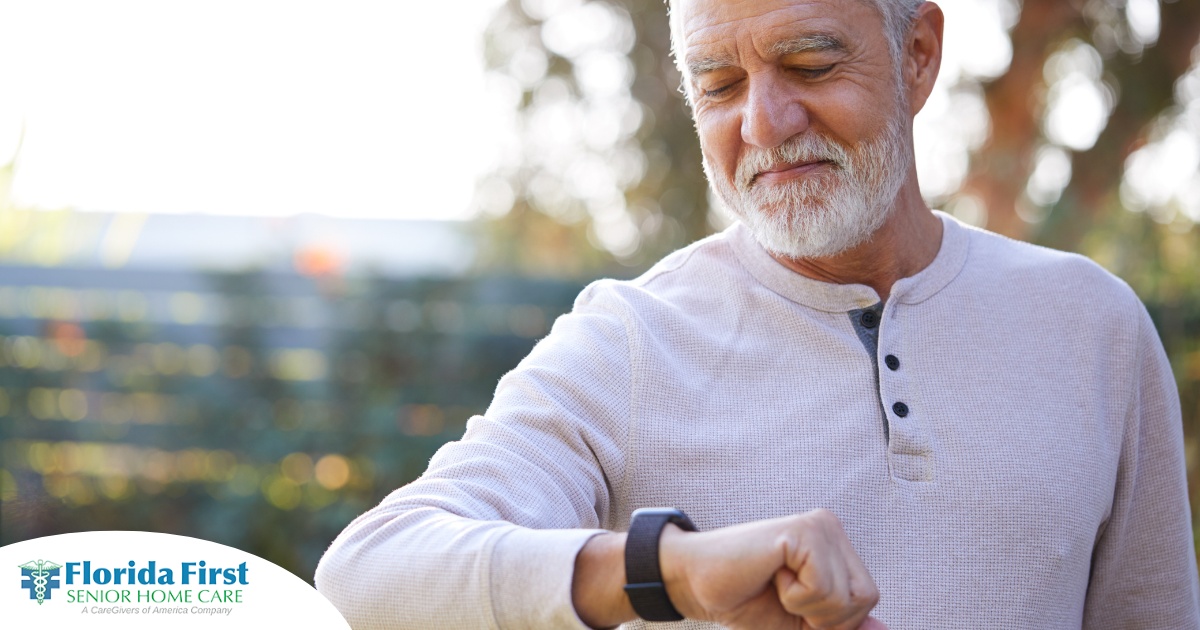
(785, 580)
(872, 624)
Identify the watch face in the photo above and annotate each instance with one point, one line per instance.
(671, 515)
(656, 511)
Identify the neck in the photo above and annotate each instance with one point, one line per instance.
(906, 243)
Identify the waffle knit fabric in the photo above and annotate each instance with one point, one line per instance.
(1037, 479)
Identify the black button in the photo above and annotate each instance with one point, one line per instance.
(892, 362)
(869, 319)
(901, 409)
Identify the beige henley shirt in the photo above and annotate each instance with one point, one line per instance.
(1035, 479)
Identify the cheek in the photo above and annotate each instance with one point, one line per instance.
(851, 115)
(720, 139)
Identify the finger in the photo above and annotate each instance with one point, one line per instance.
(852, 621)
(824, 601)
(864, 594)
(872, 623)
(811, 580)
(859, 621)
(785, 581)
(789, 590)
(837, 602)
(835, 607)
(853, 595)
(795, 596)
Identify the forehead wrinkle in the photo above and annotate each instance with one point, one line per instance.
(808, 42)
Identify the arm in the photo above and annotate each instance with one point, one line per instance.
(1144, 563)
(763, 575)
(487, 537)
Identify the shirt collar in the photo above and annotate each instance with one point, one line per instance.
(840, 298)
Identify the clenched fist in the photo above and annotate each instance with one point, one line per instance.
(790, 573)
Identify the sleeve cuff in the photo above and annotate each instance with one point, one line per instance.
(531, 575)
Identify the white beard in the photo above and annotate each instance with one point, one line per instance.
(825, 214)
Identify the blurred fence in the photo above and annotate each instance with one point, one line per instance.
(265, 411)
(262, 411)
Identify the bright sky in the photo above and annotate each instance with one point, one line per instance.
(366, 109)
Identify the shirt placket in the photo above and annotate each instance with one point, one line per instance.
(910, 449)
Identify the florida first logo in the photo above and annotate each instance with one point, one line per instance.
(39, 577)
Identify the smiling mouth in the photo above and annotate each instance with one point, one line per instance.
(784, 172)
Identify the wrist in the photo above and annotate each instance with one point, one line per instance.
(673, 552)
(597, 589)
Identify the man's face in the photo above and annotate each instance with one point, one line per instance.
(803, 126)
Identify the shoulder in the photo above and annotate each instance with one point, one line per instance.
(1034, 275)
(705, 271)
(609, 315)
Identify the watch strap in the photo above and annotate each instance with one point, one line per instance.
(643, 573)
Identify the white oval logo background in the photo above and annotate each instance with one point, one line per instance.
(39, 568)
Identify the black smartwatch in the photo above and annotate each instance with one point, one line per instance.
(643, 576)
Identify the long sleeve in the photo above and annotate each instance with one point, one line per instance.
(1144, 565)
(487, 537)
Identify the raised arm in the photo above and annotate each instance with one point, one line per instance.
(776, 574)
(487, 537)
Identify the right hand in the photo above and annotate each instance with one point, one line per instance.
(793, 572)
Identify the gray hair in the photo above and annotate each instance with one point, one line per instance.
(898, 17)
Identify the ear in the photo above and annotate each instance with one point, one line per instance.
(922, 56)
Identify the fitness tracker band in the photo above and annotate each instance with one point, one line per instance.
(643, 575)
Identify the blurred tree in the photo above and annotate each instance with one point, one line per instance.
(1134, 61)
(606, 168)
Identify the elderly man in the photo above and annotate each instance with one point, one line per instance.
(871, 413)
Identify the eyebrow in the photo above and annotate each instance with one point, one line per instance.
(814, 42)
(703, 65)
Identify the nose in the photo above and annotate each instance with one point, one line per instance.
(773, 113)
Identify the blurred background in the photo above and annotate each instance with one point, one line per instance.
(258, 260)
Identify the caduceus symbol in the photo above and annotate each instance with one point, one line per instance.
(40, 570)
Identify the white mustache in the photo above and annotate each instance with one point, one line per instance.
(798, 149)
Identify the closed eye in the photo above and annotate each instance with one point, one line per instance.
(813, 73)
(720, 91)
